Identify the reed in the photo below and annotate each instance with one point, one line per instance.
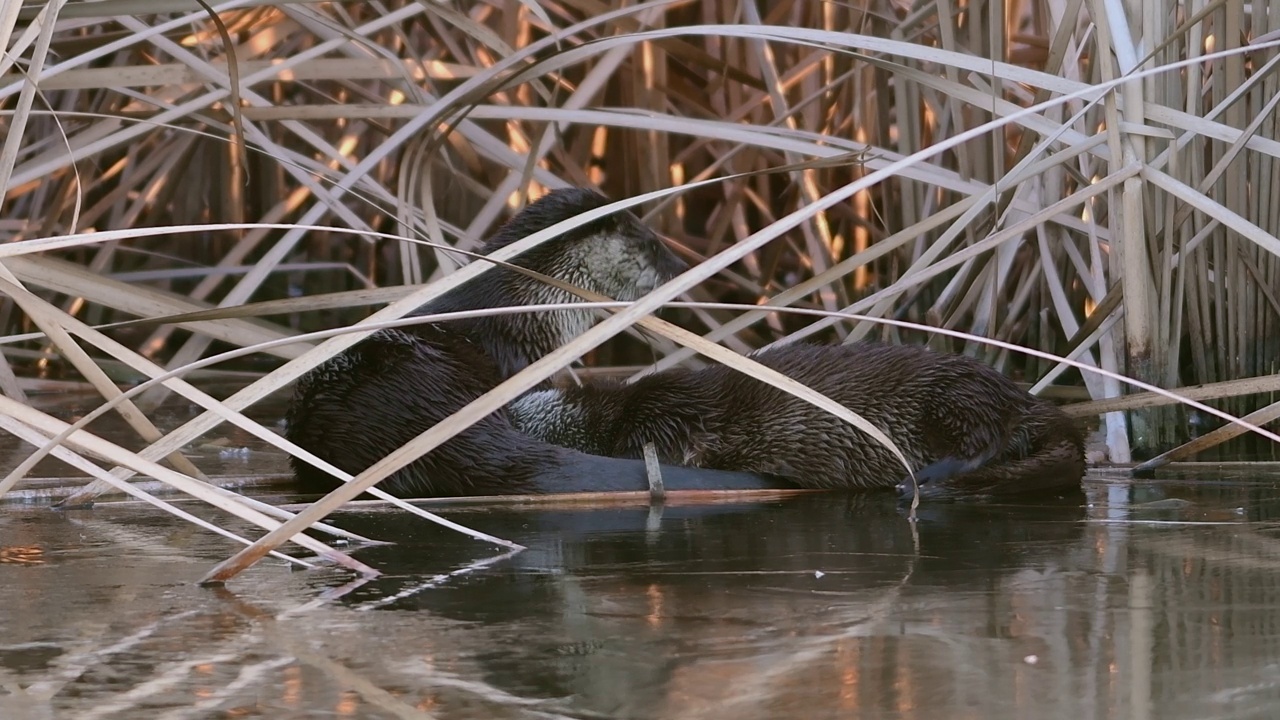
(1091, 179)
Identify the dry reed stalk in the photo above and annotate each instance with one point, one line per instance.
(1126, 227)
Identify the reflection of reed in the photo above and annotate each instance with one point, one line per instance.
(893, 653)
(976, 612)
(22, 555)
(424, 121)
(1215, 599)
(874, 634)
(1088, 630)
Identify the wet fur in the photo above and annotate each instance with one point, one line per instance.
(616, 256)
(967, 430)
(377, 395)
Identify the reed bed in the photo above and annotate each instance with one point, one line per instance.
(250, 187)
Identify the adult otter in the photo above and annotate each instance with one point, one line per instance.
(392, 386)
(616, 256)
(967, 430)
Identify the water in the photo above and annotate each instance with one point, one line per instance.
(823, 606)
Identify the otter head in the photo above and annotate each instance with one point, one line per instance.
(615, 256)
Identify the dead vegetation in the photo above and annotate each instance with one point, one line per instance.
(1088, 179)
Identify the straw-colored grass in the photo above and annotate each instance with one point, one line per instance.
(1089, 179)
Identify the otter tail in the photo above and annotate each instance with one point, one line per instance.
(1051, 461)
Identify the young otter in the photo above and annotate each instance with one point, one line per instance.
(392, 386)
(967, 430)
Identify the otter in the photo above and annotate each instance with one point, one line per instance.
(968, 431)
(616, 256)
(387, 389)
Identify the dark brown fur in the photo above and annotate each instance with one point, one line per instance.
(616, 256)
(967, 430)
(384, 391)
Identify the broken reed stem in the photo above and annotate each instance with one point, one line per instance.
(943, 236)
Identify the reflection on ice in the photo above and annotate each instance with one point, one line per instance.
(1154, 601)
